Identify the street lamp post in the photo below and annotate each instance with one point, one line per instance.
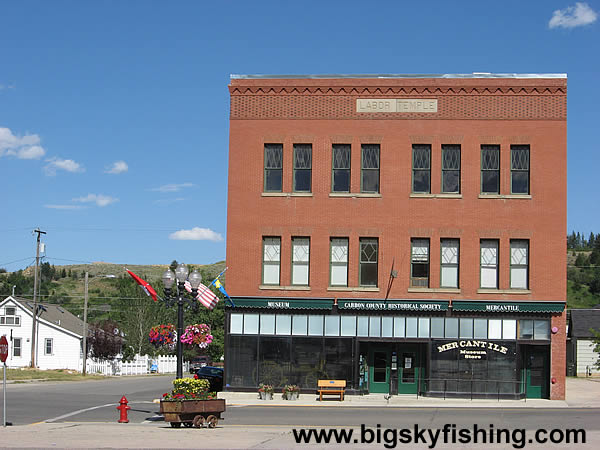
(181, 275)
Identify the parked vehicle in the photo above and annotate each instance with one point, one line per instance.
(214, 375)
(199, 361)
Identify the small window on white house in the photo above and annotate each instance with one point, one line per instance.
(16, 346)
(449, 263)
(300, 261)
(489, 263)
(48, 346)
(339, 262)
(271, 260)
(519, 264)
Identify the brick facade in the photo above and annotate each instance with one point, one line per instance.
(471, 112)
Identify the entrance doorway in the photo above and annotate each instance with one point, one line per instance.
(393, 368)
(408, 369)
(379, 368)
(535, 365)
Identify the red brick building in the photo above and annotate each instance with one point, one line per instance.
(404, 233)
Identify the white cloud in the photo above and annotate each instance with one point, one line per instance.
(98, 199)
(172, 187)
(573, 16)
(168, 201)
(196, 234)
(22, 147)
(55, 164)
(117, 168)
(69, 207)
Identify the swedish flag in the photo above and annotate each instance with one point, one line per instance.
(217, 283)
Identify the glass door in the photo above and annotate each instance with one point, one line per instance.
(408, 376)
(379, 369)
(536, 371)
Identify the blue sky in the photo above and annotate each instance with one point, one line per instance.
(114, 115)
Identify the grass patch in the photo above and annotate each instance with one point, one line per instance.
(27, 374)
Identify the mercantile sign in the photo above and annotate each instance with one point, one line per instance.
(472, 349)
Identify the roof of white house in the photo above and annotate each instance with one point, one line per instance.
(54, 314)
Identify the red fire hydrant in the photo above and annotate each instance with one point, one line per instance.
(123, 408)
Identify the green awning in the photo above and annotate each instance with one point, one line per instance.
(283, 303)
(394, 305)
(508, 307)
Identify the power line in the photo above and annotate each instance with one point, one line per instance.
(18, 260)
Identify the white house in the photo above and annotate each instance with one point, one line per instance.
(59, 335)
(580, 344)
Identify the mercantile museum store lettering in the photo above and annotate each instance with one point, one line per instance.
(402, 233)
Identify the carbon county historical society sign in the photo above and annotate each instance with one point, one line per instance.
(472, 349)
(392, 305)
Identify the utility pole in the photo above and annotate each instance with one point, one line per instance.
(85, 303)
(35, 290)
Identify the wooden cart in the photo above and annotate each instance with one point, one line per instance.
(191, 413)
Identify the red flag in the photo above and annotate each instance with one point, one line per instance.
(144, 284)
(205, 295)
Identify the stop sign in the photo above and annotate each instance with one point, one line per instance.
(3, 349)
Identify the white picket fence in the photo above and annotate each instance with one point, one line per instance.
(139, 366)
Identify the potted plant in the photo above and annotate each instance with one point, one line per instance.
(197, 334)
(291, 392)
(163, 335)
(265, 391)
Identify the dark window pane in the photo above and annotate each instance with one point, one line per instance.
(368, 274)
(520, 182)
(490, 157)
(302, 180)
(490, 182)
(273, 180)
(308, 361)
(341, 180)
(341, 156)
(275, 365)
(421, 181)
(370, 180)
(420, 270)
(338, 360)
(242, 361)
(450, 183)
(370, 156)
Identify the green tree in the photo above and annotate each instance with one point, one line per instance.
(174, 265)
(581, 260)
(596, 341)
(595, 256)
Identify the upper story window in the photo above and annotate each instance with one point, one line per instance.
(302, 167)
(419, 263)
(370, 168)
(339, 262)
(369, 249)
(519, 264)
(451, 169)
(490, 169)
(271, 260)
(519, 169)
(340, 176)
(300, 261)
(10, 317)
(273, 168)
(421, 168)
(449, 263)
(489, 263)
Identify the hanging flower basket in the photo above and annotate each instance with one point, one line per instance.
(197, 334)
(163, 336)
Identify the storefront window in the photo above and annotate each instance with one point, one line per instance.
(267, 324)
(411, 327)
(242, 361)
(399, 327)
(250, 323)
(308, 362)
(437, 327)
(315, 325)
(299, 325)
(363, 326)
(451, 327)
(332, 325)
(275, 365)
(283, 324)
(494, 329)
(235, 323)
(525, 329)
(509, 329)
(466, 328)
(339, 354)
(541, 329)
(375, 326)
(480, 328)
(348, 326)
(423, 327)
(387, 325)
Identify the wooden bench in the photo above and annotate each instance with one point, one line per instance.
(331, 387)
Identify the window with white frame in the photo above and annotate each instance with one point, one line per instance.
(370, 168)
(419, 263)
(300, 261)
(302, 167)
(17, 346)
(339, 262)
(368, 262)
(273, 168)
(10, 317)
(340, 168)
(489, 264)
(449, 263)
(271, 260)
(48, 346)
(519, 264)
